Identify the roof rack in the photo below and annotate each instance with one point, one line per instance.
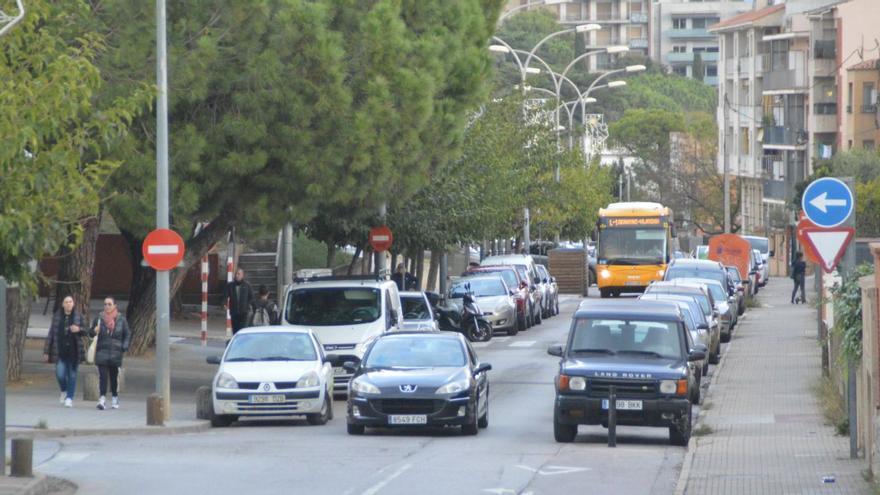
(380, 277)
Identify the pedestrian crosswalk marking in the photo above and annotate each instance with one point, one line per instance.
(523, 343)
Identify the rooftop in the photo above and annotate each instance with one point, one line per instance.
(746, 18)
(866, 65)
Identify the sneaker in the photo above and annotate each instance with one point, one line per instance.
(63, 398)
(68, 402)
(102, 402)
(115, 403)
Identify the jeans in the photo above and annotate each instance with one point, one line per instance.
(65, 372)
(799, 283)
(239, 321)
(113, 373)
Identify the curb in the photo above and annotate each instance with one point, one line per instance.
(684, 476)
(198, 427)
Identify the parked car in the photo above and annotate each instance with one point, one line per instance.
(525, 265)
(707, 304)
(762, 245)
(272, 371)
(492, 296)
(700, 329)
(724, 304)
(741, 288)
(519, 287)
(639, 347)
(551, 291)
(418, 313)
(419, 379)
(763, 268)
(346, 314)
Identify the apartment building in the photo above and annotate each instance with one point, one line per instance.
(681, 38)
(862, 120)
(624, 22)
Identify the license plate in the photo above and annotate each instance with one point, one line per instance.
(408, 419)
(625, 405)
(632, 283)
(339, 371)
(267, 399)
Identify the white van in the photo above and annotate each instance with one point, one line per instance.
(345, 313)
(762, 245)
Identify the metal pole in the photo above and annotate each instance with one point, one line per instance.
(628, 184)
(288, 257)
(612, 416)
(205, 300)
(846, 269)
(380, 257)
(3, 333)
(726, 178)
(526, 226)
(230, 265)
(444, 270)
(163, 315)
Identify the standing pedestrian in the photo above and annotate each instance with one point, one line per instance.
(64, 347)
(798, 275)
(239, 301)
(404, 279)
(266, 312)
(114, 336)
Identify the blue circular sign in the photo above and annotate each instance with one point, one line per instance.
(827, 202)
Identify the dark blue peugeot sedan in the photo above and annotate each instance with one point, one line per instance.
(409, 379)
(638, 347)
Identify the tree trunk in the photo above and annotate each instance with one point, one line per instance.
(18, 311)
(357, 253)
(141, 311)
(431, 283)
(420, 268)
(331, 254)
(76, 268)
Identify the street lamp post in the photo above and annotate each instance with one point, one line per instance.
(526, 6)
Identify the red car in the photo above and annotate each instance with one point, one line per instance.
(519, 287)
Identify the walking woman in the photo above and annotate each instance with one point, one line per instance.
(64, 347)
(798, 274)
(113, 339)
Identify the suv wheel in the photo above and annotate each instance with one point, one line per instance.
(680, 433)
(354, 429)
(564, 433)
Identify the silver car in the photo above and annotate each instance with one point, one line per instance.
(493, 297)
(417, 312)
(724, 304)
(550, 291)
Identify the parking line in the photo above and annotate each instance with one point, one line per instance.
(373, 490)
(523, 343)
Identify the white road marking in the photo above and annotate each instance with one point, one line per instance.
(479, 345)
(163, 249)
(70, 457)
(373, 490)
(505, 491)
(553, 470)
(523, 343)
(501, 339)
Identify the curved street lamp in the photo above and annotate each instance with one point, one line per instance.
(580, 28)
(516, 9)
(7, 22)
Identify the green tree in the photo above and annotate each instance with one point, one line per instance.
(868, 208)
(52, 142)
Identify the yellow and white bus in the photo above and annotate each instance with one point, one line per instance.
(634, 246)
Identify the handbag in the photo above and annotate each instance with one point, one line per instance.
(93, 348)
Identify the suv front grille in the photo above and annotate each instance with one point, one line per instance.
(407, 406)
(625, 389)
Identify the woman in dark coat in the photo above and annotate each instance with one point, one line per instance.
(114, 336)
(64, 347)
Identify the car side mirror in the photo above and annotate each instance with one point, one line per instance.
(349, 366)
(701, 348)
(482, 368)
(696, 355)
(703, 326)
(213, 359)
(557, 350)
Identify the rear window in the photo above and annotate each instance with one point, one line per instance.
(761, 244)
(415, 308)
(652, 339)
(683, 272)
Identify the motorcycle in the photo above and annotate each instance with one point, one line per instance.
(467, 320)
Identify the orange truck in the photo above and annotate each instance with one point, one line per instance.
(731, 250)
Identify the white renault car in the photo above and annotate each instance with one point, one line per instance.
(272, 371)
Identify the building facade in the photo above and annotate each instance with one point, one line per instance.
(861, 123)
(681, 38)
(624, 22)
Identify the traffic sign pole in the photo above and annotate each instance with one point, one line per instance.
(163, 310)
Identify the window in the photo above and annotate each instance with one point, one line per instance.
(698, 23)
(849, 98)
(711, 71)
(333, 306)
(680, 70)
(699, 49)
(655, 339)
(869, 97)
(679, 49)
(712, 49)
(868, 144)
(849, 144)
(745, 142)
(390, 321)
(679, 23)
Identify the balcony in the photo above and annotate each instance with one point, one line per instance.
(711, 80)
(638, 43)
(776, 189)
(823, 67)
(784, 80)
(690, 34)
(783, 136)
(825, 49)
(869, 108)
(680, 57)
(638, 18)
(824, 122)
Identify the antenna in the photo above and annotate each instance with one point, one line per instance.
(7, 22)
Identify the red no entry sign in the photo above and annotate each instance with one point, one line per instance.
(381, 238)
(163, 249)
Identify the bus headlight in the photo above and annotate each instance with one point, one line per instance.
(605, 273)
(660, 273)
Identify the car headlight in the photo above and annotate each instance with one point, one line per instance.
(308, 380)
(364, 387)
(225, 380)
(667, 387)
(605, 273)
(577, 383)
(660, 273)
(454, 387)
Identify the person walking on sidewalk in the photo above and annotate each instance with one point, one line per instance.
(114, 336)
(64, 347)
(266, 312)
(239, 301)
(798, 275)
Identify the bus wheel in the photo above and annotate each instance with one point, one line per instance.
(604, 293)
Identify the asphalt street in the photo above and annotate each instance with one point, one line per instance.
(515, 455)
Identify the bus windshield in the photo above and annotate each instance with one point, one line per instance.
(632, 246)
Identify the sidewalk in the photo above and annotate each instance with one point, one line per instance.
(767, 430)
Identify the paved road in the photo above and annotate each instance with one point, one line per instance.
(515, 455)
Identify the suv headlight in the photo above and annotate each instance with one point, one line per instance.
(364, 387)
(225, 380)
(577, 383)
(668, 387)
(454, 387)
(308, 380)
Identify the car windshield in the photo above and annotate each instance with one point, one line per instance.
(416, 352)
(734, 274)
(415, 308)
(508, 275)
(271, 346)
(660, 339)
(762, 244)
(480, 287)
(687, 272)
(333, 306)
(693, 307)
(628, 246)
